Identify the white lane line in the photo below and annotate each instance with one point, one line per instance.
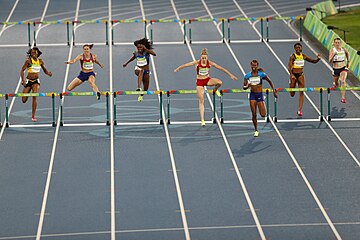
(323, 60)
(247, 196)
(311, 102)
(252, 209)
(306, 95)
(8, 18)
(291, 154)
(172, 158)
(290, 225)
(19, 81)
(112, 151)
(321, 207)
(52, 158)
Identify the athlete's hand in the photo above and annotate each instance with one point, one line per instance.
(102, 65)
(275, 93)
(292, 77)
(176, 70)
(67, 62)
(23, 83)
(50, 74)
(318, 56)
(233, 77)
(125, 64)
(246, 86)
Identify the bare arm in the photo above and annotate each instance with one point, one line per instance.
(223, 69)
(246, 84)
(26, 64)
(347, 58)
(291, 64)
(74, 60)
(331, 55)
(96, 60)
(312, 60)
(130, 60)
(189, 64)
(271, 85)
(44, 68)
(149, 51)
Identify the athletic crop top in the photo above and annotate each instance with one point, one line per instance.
(142, 60)
(255, 80)
(203, 70)
(339, 55)
(87, 64)
(34, 66)
(298, 61)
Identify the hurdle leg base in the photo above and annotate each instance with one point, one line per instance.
(168, 121)
(321, 118)
(221, 120)
(267, 119)
(54, 124)
(107, 123)
(161, 122)
(115, 122)
(6, 124)
(214, 120)
(329, 118)
(275, 119)
(61, 124)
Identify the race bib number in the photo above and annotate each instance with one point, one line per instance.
(88, 65)
(254, 80)
(299, 63)
(203, 71)
(141, 62)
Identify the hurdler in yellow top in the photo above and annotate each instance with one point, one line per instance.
(33, 64)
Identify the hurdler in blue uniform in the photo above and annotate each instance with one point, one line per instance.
(254, 80)
(142, 68)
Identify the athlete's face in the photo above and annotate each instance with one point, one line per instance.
(298, 49)
(86, 50)
(254, 66)
(140, 48)
(204, 58)
(34, 53)
(337, 43)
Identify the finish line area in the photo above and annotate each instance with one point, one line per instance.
(116, 168)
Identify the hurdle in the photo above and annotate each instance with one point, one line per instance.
(28, 24)
(115, 23)
(153, 21)
(223, 91)
(222, 20)
(253, 19)
(84, 94)
(186, 23)
(283, 18)
(267, 28)
(314, 89)
(106, 22)
(329, 117)
(8, 95)
(116, 95)
(121, 93)
(171, 92)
